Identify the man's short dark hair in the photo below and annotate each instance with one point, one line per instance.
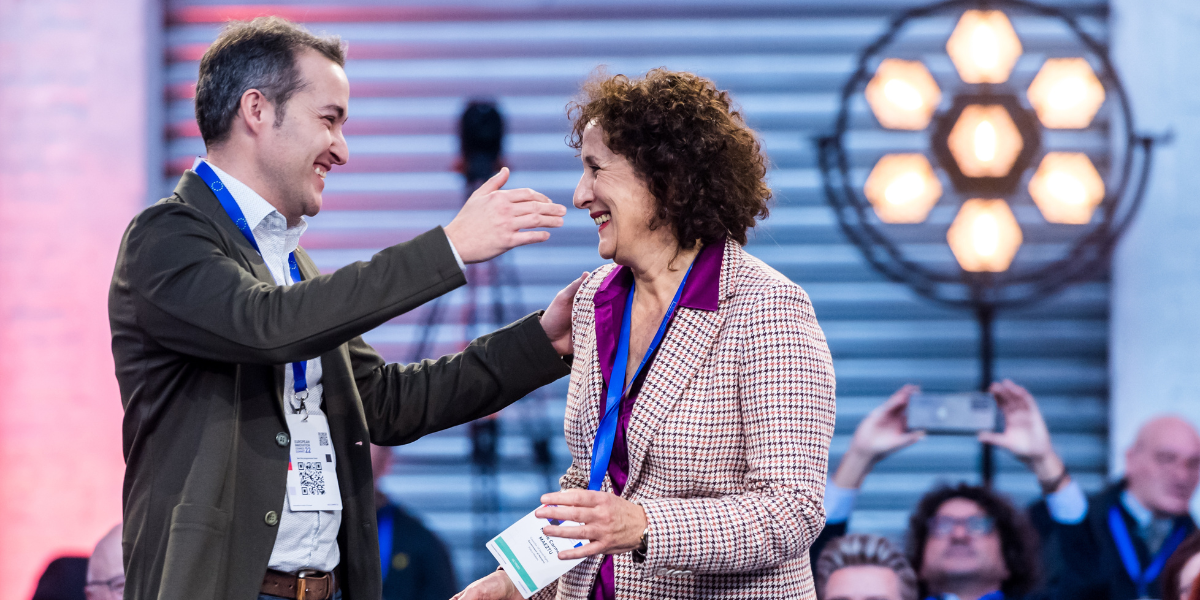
(1018, 541)
(258, 55)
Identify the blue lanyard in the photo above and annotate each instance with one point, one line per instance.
(996, 595)
(385, 539)
(603, 444)
(299, 369)
(1120, 534)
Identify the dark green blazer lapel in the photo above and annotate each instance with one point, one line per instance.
(197, 195)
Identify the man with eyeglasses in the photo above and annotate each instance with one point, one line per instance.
(105, 573)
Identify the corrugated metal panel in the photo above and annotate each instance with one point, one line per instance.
(412, 68)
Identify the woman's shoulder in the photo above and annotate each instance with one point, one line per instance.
(591, 284)
(753, 280)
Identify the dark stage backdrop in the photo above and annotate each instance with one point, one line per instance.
(412, 69)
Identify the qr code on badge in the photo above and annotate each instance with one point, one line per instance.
(312, 478)
(323, 438)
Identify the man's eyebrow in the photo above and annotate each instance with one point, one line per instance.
(340, 110)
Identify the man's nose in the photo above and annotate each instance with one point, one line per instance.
(340, 149)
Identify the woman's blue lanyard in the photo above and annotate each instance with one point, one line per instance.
(603, 444)
(299, 369)
(996, 595)
(1129, 557)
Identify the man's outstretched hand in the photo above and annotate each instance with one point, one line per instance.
(492, 220)
(556, 321)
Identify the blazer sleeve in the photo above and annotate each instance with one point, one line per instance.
(787, 399)
(404, 402)
(190, 295)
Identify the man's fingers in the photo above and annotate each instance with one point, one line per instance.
(526, 207)
(534, 220)
(524, 238)
(495, 182)
(523, 196)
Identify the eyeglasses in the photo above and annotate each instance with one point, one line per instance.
(116, 585)
(976, 525)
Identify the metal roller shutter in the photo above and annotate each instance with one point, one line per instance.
(412, 68)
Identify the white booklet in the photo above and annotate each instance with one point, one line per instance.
(530, 558)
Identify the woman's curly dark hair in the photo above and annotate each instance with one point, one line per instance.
(703, 165)
(1018, 541)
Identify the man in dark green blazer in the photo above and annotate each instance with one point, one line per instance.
(224, 330)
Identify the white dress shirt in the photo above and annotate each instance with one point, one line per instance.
(306, 539)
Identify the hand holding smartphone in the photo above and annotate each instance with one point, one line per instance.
(965, 413)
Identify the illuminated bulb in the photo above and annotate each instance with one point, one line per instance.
(985, 141)
(1066, 93)
(902, 94)
(984, 47)
(905, 188)
(984, 237)
(1067, 188)
(902, 188)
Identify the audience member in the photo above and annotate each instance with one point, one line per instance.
(970, 543)
(1110, 547)
(416, 565)
(1114, 545)
(864, 567)
(1180, 573)
(105, 571)
(63, 579)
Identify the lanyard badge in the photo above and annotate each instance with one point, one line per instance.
(1129, 557)
(607, 432)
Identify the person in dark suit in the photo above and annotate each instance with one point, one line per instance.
(416, 564)
(235, 356)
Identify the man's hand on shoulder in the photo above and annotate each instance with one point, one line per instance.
(492, 220)
(556, 321)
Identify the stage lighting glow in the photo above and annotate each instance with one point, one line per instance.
(902, 94)
(985, 141)
(1067, 188)
(984, 237)
(1066, 94)
(902, 188)
(984, 47)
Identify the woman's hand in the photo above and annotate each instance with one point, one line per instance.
(882, 432)
(493, 587)
(613, 524)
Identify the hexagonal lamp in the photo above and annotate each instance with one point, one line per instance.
(984, 236)
(1067, 188)
(903, 188)
(984, 47)
(1066, 93)
(902, 94)
(985, 141)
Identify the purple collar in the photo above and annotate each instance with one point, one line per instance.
(701, 291)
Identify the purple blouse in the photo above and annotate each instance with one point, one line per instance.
(701, 291)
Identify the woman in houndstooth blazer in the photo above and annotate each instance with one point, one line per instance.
(717, 471)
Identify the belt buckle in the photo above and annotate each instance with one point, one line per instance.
(301, 588)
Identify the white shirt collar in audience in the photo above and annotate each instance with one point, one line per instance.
(1140, 513)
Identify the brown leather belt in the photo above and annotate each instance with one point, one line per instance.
(305, 585)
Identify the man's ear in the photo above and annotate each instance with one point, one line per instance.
(255, 112)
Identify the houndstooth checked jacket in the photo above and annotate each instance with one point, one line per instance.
(728, 442)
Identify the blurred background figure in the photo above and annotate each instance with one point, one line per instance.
(863, 567)
(970, 543)
(105, 573)
(1182, 570)
(63, 579)
(416, 565)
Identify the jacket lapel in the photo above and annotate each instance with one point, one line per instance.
(686, 347)
(195, 193)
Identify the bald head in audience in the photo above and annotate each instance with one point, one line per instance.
(1162, 466)
(106, 571)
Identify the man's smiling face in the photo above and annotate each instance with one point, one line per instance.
(299, 152)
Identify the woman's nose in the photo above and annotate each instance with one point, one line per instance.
(583, 193)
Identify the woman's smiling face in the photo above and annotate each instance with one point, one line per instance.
(616, 198)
